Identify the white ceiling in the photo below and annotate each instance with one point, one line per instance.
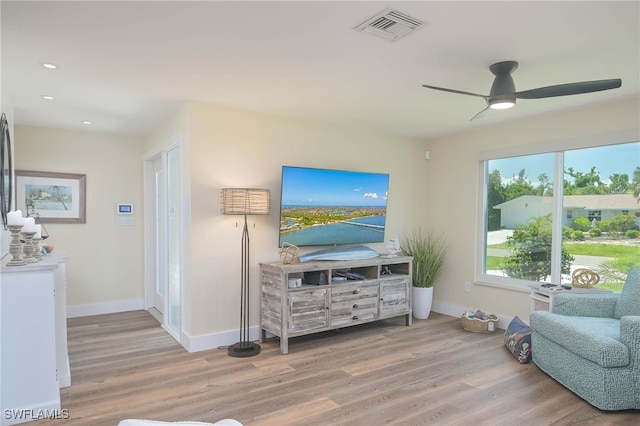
(125, 66)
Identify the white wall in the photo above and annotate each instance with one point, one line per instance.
(232, 148)
(105, 260)
(452, 187)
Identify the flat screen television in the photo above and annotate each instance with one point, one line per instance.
(320, 207)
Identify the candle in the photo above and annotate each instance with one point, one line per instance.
(15, 218)
(38, 231)
(29, 225)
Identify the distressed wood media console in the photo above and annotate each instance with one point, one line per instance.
(379, 288)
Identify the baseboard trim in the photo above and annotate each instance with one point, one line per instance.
(75, 311)
(220, 340)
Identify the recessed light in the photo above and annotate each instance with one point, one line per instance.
(47, 97)
(49, 65)
(85, 122)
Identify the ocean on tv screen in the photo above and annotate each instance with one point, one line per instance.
(329, 225)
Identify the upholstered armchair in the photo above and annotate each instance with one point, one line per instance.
(590, 343)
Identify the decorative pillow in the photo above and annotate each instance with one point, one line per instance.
(517, 338)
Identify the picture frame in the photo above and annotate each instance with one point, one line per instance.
(52, 197)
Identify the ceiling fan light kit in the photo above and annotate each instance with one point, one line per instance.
(503, 93)
(502, 104)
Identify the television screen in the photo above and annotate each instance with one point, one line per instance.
(329, 207)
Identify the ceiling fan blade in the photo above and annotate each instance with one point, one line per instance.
(480, 114)
(570, 89)
(460, 92)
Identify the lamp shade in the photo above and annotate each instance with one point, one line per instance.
(244, 201)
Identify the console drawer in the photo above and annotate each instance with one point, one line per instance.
(354, 311)
(352, 292)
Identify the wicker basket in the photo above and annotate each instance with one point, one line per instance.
(480, 326)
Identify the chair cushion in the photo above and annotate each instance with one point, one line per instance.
(517, 338)
(629, 301)
(592, 338)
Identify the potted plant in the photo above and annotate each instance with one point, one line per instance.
(429, 252)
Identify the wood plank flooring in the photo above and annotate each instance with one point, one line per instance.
(434, 373)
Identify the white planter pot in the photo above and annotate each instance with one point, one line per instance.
(421, 298)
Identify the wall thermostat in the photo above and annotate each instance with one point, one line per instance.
(124, 214)
(124, 209)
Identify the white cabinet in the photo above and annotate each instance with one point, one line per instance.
(33, 356)
(376, 289)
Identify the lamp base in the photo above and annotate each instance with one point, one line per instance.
(243, 349)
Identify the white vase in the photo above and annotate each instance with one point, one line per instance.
(421, 298)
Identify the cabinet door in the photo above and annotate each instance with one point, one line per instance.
(394, 296)
(353, 303)
(308, 310)
(28, 349)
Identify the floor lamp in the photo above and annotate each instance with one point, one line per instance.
(244, 201)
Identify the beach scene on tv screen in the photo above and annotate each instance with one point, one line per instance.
(328, 207)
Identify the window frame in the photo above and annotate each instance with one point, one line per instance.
(558, 148)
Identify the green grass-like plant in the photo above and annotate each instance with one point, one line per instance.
(429, 253)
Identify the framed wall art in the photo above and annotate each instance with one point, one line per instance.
(52, 197)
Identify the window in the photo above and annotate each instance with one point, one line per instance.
(594, 215)
(547, 214)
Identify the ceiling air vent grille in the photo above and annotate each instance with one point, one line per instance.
(390, 25)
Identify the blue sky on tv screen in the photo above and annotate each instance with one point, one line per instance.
(321, 187)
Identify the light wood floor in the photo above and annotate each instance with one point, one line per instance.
(125, 366)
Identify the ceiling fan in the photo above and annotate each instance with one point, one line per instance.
(503, 93)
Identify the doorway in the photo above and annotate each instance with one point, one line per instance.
(163, 238)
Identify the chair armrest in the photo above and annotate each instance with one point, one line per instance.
(630, 336)
(585, 305)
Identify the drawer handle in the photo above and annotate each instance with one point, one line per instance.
(355, 317)
(356, 291)
(355, 306)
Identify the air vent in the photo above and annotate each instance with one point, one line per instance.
(390, 25)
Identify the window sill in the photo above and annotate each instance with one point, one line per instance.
(505, 284)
